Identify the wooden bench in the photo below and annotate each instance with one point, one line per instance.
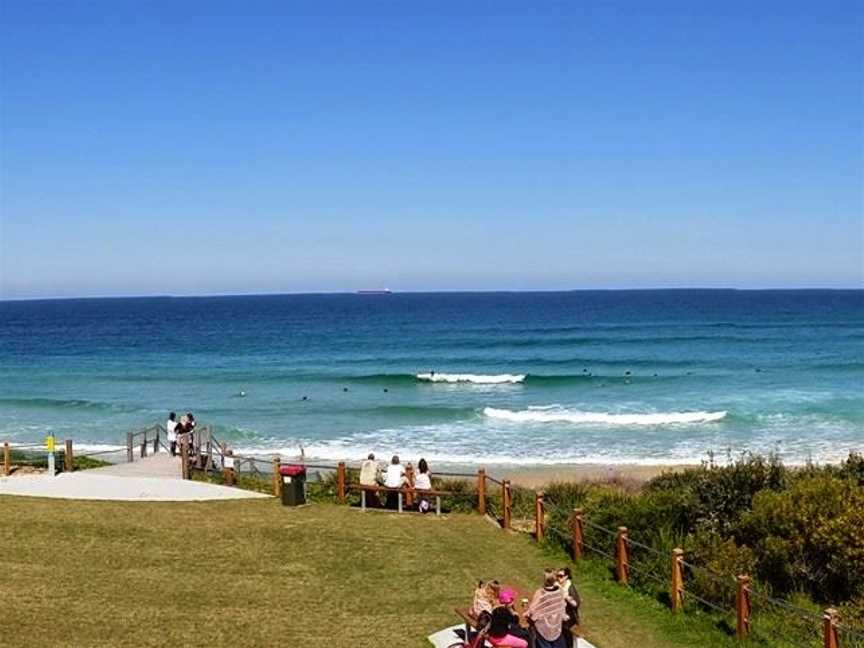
(437, 494)
(470, 623)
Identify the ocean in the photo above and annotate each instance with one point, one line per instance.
(612, 377)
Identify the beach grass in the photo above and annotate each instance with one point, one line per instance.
(255, 573)
(39, 459)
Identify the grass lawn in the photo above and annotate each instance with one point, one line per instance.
(254, 573)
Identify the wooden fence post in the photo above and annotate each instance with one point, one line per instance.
(409, 482)
(7, 459)
(742, 607)
(340, 481)
(68, 460)
(676, 591)
(539, 515)
(144, 445)
(506, 506)
(622, 559)
(184, 457)
(481, 491)
(156, 441)
(830, 632)
(277, 478)
(129, 457)
(577, 531)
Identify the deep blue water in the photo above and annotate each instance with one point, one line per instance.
(711, 370)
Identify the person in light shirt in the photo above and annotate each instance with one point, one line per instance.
(394, 477)
(423, 481)
(369, 477)
(171, 428)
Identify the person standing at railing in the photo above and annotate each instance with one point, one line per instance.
(546, 612)
(171, 431)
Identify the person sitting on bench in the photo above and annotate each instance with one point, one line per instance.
(504, 629)
(394, 478)
(423, 481)
(369, 477)
(547, 612)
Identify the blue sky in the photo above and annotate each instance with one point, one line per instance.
(231, 147)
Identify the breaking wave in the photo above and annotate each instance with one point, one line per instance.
(477, 379)
(559, 415)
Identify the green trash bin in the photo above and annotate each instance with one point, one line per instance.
(293, 482)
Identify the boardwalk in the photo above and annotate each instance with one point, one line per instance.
(153, 479)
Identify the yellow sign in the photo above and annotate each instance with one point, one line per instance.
(49, 443)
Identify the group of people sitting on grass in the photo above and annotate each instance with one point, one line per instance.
(395, 475)
(549, 617)
(176, 429)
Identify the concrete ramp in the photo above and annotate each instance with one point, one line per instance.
(153, 479)
(161, 464)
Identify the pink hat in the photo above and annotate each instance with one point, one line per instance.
(507, 596)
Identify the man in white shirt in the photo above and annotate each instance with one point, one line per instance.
(171, 427)
(394, 477)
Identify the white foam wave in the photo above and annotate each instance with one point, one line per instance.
(477, 379)
(576, 416)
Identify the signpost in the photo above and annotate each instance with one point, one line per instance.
(49, 445)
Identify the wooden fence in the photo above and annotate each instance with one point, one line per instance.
(825, 629)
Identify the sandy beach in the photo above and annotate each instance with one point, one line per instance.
(540, 475)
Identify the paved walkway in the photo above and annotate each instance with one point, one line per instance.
(154, 479)
(161, 464)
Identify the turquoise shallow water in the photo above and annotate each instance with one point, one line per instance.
(614, 377)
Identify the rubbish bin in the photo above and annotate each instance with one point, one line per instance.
(293, 479)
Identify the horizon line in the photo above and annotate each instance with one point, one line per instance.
(434, 292)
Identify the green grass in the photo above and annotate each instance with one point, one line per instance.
(39, 459)
(254, 573)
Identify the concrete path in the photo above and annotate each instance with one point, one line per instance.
(161, 464)
(153, 479)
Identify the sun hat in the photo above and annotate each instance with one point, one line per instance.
(507, 596)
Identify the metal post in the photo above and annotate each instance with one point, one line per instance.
(437, 505)
(49, 444)
(7, 459)
(363, 499)
(400, 500)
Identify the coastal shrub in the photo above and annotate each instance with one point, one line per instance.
(809, 537)
(717, 496)
(799, 532)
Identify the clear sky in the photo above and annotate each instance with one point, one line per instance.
(220, 147)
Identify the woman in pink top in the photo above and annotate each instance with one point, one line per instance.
(547, 612)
